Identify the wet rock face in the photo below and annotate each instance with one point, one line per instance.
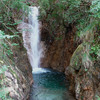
(58, 51)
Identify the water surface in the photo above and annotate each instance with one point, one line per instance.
(50, 85)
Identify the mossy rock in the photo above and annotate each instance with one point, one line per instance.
(76, 59)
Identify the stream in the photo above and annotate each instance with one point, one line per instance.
(50, 85)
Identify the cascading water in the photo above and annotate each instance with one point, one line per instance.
(34, 39)
(31, 38)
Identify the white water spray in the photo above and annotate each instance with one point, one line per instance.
(31, 38)
(35, 39)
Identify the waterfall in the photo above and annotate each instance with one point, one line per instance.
(34, 39)
(31, 38)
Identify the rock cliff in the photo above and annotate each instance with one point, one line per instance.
(17, 78)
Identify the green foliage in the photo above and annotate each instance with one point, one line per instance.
(5, 45)
(3, 90)
(59, 14)
(4, 36)
(3, 94)
(10, 8)
(95, 8)
(52, 12)
(95, 47)
(3, 69)
(93, 17)
(98, 98)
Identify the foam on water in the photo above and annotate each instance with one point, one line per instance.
(39, 70)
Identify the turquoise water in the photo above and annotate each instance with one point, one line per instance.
(50, 86)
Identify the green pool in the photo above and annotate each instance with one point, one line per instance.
(50, 85)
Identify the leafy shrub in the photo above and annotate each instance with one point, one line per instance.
(6, 45)
(60, 14)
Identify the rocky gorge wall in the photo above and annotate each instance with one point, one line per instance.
(17, 78)
(85, 83)
(58, 52)
(83, 72)
(65, 55)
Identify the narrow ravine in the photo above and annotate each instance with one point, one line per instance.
(49, 50)
(48, 84)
